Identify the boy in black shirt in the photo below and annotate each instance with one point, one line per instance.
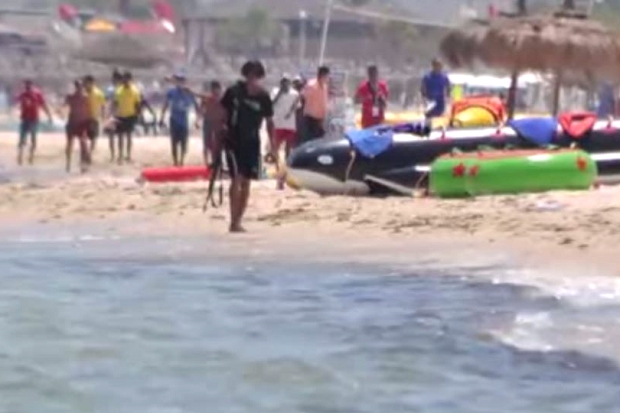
(246, 105)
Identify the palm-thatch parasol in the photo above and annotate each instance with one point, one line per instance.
(564, 43)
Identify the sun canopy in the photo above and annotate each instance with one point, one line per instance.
(547, 43)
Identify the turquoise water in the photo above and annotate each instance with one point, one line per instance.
(136, 325)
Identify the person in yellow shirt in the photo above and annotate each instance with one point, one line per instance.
(126, 106)
(96, 106)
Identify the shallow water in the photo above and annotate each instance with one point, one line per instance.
(135, 325)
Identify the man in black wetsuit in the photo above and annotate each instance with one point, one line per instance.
(246, 104)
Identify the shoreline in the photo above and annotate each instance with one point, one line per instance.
(558, 229)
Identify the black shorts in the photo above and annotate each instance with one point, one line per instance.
(93, 129)
(126, 125)
(243, 159)
(312, 129)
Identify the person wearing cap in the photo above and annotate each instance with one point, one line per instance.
(246, 105)
(372, 94)
(435, 91)
(285, 101)
(31, 101)
(180, 100)
(127, 105)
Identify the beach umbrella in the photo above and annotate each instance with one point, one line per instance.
(565, 44)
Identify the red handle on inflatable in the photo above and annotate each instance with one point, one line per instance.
(577, 124)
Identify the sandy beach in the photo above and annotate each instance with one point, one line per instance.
(558, 228)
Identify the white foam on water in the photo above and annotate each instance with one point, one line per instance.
(525, 332)
(585, 319)
(577, 289)
(554, 331)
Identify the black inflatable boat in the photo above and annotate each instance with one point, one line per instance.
(344, 165)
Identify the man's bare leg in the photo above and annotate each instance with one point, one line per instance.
(205, 150)
(214, 149)
(235, 205)
(175, 153)
(33, 147)
(92, 146)
(183, 146)
(121, 148)
(20, 154)
(129, 146)
(238, 206)
(276, 153)
(68, 152)
(244, 195)
(84, 153)
(111, 143)
(21, 144)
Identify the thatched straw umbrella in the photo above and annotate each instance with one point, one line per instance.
(564, 44)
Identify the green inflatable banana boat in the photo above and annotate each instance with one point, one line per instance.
(511, 172)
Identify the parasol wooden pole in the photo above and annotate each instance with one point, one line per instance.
(512, 93)
(556, 92)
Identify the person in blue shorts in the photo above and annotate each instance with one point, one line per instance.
(435, 91)
(180, 100)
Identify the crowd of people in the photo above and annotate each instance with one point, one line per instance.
(294, 112)
(90, 111)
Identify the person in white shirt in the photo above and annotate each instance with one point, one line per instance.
(285, 100)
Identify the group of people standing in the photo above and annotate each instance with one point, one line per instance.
(90, 110)
(301, 109)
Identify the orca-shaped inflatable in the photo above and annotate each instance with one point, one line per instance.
(397, 159)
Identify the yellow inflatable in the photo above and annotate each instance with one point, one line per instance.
(474, 116)
(394, 118)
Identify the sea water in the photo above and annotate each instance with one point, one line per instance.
(165, 325)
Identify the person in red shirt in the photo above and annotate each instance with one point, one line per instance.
(31, 101)
(372, 94)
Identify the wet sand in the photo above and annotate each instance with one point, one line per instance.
(557, 228)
